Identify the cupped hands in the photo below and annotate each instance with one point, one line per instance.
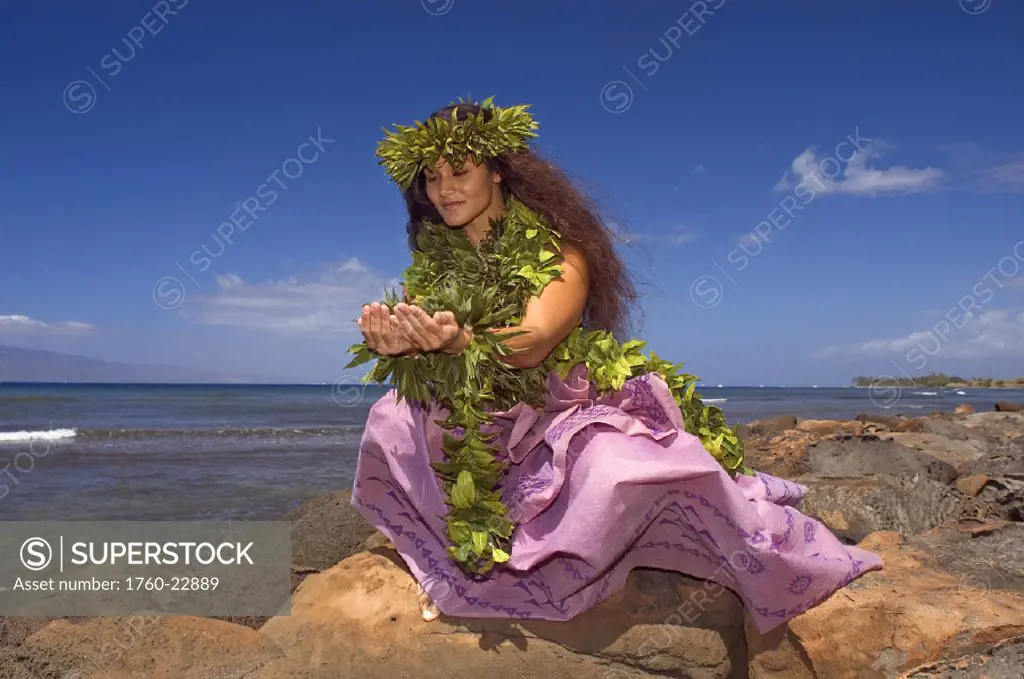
(409, 329)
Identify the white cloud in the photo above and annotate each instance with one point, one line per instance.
(674, 236)
(698, 169)
(856, 177)
(985, 171)
(747, 239)
(680, 236)
(23, 324)
(988, 334)
(326, 303)
(1004, 177)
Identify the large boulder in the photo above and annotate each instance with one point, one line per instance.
(855, 507)
(960, 454)
(363, 615)
(770, 426)
(833, 427)
(1000, 426)
(926, 607)
(858, 456)
(782, 454)
(325, 530)
(155, 647)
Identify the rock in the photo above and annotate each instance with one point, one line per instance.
(155, 647)
(890, 421)
(12, 665)
(362, 615)
(1007, 407)
(1001, 461)
(971, 485)
(1004, 495)
(782, 455)
(831, 427)
(987, 555)
(911, 613)
(963, 409)
(376, 541)
(857, 457)
(856, 507)
(914, 425)
(999, 426)
(1002, 661)
(958, 454)
(955, 430)
(773, 425)
(326, 530)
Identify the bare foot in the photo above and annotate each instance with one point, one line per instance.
(427, 607)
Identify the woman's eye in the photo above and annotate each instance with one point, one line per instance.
(459, 173)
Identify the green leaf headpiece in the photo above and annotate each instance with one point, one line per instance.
(407, 151)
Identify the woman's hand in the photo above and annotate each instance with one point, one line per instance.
(439, 332)
(381, 332)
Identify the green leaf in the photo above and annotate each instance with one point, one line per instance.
(464, 493)
(479, 542)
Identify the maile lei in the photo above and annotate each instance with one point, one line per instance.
(488, 287)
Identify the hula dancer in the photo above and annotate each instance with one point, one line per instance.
(527, 459)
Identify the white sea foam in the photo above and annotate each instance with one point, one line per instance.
(961, 393)
(48, 435)
(926, 393)
(714, 400)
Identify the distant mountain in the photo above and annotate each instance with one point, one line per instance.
(30, 365)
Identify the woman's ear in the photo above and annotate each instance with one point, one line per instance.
(497, 177)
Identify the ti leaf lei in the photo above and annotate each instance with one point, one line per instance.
(488, 287)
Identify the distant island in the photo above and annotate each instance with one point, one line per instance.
(31, 365)
(941, 380)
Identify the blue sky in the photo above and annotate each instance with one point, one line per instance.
(766, 248)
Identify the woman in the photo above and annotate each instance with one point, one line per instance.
(587, 481)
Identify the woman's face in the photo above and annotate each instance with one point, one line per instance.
(462, 195)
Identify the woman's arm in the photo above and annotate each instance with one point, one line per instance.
(550, 318)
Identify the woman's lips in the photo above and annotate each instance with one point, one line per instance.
(453, 204)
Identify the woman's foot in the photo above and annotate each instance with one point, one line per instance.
(427, 607)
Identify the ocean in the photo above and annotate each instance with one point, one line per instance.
(254, 452)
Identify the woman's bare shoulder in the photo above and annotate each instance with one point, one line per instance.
(574, 257)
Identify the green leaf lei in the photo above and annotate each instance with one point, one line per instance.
(486, 288)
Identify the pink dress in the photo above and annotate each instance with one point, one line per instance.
(599, 486)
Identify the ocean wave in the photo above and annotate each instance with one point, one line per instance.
(48, 435)
(926, 393)
(714, 400)
(250, 432)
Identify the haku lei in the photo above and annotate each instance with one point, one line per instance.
(488, 288)
(408, 150)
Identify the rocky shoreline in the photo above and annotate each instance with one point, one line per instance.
(940, 497)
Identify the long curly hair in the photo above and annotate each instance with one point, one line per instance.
(547, 190)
